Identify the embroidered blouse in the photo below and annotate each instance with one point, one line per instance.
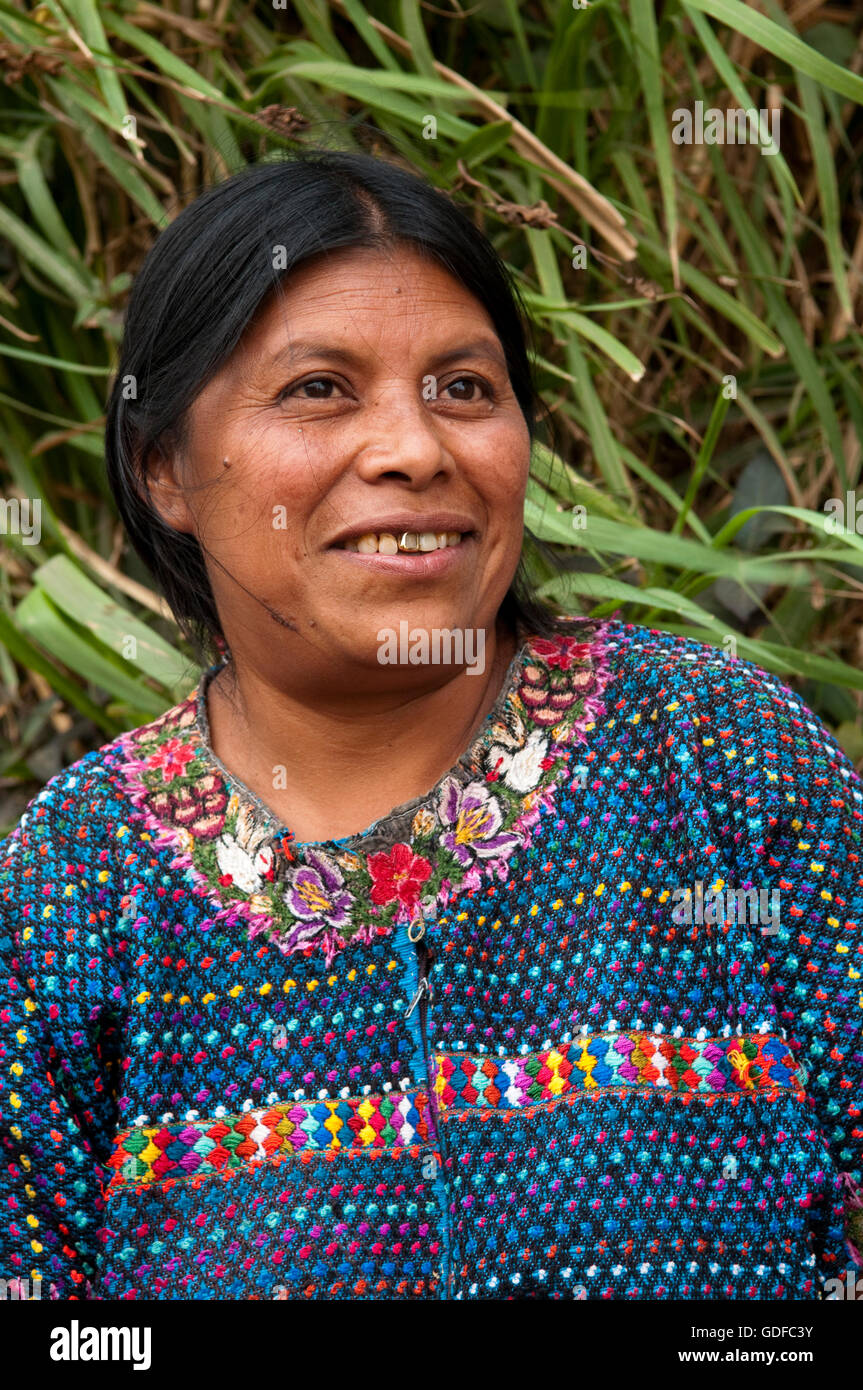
(583, 1021)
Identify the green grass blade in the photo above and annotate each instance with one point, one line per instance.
(649, 64)
(86, 16)
(789, 48)
(72, 278)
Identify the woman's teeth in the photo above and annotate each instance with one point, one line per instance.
(388, 544)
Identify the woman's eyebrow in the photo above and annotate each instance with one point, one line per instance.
(301, 349)
(479, 347)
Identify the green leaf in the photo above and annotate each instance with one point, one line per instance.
(789, 48)
(34, 186)
(603, 586)
(161, 57)
(414, 32)
(705, 454)
(86, 16)
(30, 657)
(479, 147)
(828, 189)
(27, 355)
(649, 63)
(641, 543)
(776, 163)
(120, 168)
(41, 620)
(605, 341)
(551, 478)
(603, 441)
(72, 278)
(361, 22)
(346, 78)
(90, 607)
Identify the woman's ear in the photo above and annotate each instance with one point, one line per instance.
(162, 478)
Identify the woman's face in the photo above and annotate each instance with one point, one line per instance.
(371, 397)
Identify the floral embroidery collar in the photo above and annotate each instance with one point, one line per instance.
(324, 895)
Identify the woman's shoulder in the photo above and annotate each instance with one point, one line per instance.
(701, 683)
(728, 724)
(656, 658)
(91, 794)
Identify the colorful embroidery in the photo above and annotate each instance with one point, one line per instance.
(155, 1152)
(561, 1090)
(466, 830)
(712, 1066)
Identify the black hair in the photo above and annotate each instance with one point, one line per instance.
(204, 279)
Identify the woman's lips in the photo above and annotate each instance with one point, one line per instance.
(392, 543)
(417, 564)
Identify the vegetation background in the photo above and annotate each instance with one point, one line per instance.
(696, 308)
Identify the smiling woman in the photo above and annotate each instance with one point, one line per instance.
(361, 972)
(344, 476)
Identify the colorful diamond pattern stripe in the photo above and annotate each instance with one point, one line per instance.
(153, 1153)
(713, 1066)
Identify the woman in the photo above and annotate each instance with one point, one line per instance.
(394, 961)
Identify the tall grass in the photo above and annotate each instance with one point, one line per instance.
(696, 307)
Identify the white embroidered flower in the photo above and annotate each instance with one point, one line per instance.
(246, 870)
(249, 834)
(522, 770)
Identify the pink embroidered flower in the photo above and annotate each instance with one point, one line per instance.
(199, 809)
(533, 804)
(172, 757)
(550, 696)
(562, 652)
(399, 874)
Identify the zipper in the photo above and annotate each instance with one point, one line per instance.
(422, 991)
(423, 994)
(422, 997)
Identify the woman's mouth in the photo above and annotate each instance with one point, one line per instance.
(407, 543)
(421, 554)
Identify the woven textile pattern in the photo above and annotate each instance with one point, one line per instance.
(517, 1040)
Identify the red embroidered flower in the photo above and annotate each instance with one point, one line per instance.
(172, 757)
(399, 874)
(563, 652)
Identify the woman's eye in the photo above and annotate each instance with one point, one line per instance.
(467, 388)
(318, 388)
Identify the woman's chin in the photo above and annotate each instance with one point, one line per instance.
(413, 649)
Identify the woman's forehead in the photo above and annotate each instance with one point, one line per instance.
(389, 294)
(357, 275)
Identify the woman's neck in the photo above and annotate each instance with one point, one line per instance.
(328, 774)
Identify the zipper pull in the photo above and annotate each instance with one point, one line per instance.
(423, 988)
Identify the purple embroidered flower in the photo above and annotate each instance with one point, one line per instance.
(316, 897)
(472, 818)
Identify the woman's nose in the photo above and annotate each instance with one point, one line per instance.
(400, 437)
